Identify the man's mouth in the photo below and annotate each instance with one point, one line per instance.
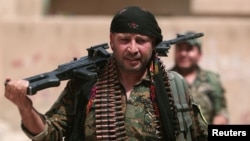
(133, 61)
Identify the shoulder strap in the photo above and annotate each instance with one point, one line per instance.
(179, 90)
(81, 99)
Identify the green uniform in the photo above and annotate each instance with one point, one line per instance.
(140, 119)
(208, 91)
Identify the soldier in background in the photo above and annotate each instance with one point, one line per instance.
(205, 85)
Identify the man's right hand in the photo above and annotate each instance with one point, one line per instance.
(16, 92)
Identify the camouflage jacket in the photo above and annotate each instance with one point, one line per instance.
(208, 92)
(140, 121)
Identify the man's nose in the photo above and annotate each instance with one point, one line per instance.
(133, 48)
(183, 52)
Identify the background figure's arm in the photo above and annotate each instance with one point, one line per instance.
(221, 111)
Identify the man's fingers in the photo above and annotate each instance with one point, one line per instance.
(6, 81)
(16, 86)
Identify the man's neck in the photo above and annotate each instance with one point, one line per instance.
(189, 74)
(129, 79)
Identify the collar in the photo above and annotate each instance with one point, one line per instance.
(145, 79)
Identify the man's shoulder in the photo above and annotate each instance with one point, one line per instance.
(177, 80)
(212, 75)
(210, 72)
(174, 75)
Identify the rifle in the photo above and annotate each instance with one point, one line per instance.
(84, 67)
(87, 67)
(163, 47)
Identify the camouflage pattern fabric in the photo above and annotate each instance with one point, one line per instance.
(140, 119)
(208, 92)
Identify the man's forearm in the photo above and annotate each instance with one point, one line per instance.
(32, 121)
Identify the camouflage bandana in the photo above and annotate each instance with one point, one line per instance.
(136, 20)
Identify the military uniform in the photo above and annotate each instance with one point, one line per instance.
(141, 119)
(208, 92)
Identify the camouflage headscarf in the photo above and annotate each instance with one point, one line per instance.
(134, 19)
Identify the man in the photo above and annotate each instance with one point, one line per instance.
(205, 85)
(134, 97)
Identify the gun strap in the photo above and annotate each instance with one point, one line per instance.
(81, 99)
(166, 114)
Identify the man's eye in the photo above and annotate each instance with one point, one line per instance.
(141, 41)
(124, 40)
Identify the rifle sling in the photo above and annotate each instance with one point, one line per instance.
(166, 114)
(81, 99)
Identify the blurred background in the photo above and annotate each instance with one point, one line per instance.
(38, 35)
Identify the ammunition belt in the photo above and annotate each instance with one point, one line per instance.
(109, 113)
(109, 108)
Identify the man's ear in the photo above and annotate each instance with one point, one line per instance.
(200, 55)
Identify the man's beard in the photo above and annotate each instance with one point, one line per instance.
(186, 70)
(126, 66)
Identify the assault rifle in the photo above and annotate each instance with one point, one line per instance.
(163, 47)
(84, 67)
(87, 67)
